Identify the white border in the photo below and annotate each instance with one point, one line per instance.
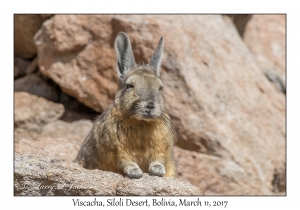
(8, 8)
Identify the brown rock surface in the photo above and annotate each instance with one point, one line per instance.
(220, 102)
(265, 35)
(32, 112)
(83, 64)
(38, 175)
(60, 148)
(75, 132)
(213, 174)
(153, 185)
(37, 130)
(25, 27)
(58, 139)
(35, 85)
(33, 171)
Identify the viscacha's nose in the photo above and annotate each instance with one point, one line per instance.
(150, 105)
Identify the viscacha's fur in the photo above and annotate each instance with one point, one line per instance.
(134, 135)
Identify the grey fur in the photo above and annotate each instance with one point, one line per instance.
(126, 58)
(156, 57)
(157, 169)
(124, 54)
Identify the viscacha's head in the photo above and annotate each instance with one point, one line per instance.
(139, 93)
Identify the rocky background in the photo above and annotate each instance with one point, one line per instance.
(224, 87)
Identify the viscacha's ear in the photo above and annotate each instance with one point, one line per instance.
(156, 57)
(124, 54)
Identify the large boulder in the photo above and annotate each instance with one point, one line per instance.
(82, 64)
(214, 175)
(33, 112)
(221, 104)
(265, 36)
(39, 175)
(25, 27)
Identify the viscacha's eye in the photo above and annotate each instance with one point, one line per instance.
(161, 87)
(129, 86)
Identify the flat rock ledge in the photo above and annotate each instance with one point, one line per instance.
(39, 175)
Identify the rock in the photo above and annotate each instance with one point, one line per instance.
(58, 139)
(25, 27)
(33, 112)
(35, 85)
(20, 66)
(74, 132)
(32, 67)
(23, 66)
(240, 22)
(153, 185)
(265, 35)
(87, 58)
(59, 148)
(214, 175)
(38, 175)
(37, 130)
(221, 105)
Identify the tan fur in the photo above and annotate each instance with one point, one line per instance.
(123, 141)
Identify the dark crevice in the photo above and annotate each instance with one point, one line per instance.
(240, 21)
(74, 110)
(276, 79)
(279, 180)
